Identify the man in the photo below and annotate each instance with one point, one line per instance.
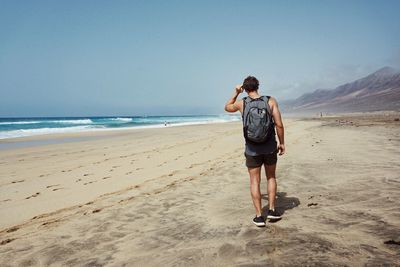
(258, 154)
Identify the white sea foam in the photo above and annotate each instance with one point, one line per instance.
(41, 131)
(18, 122)
(122, 119)
(71, 121)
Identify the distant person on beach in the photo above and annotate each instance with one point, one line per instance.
(261, 118)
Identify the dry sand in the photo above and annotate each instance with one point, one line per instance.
(180, 197)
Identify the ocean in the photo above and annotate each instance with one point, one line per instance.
(19, 127)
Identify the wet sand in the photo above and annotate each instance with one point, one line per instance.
(180, 197)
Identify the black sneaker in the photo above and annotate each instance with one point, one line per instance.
(273, 215)
(259, 221)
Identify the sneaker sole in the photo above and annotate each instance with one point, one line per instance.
(259, 224)
(274, 217)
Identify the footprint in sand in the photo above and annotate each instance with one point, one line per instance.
(91, 182)
(158, 191)
(87, 174)
(12, 229)
(6, 241)
(392, 242)
(107, 177)
(50, 222)
(34, 195)
(139, 169)
(128, 173)
(18, 181)
(55, 189)
(96, 210)
(171, 184)
(52, 185)
(190, 178)
(78, 180)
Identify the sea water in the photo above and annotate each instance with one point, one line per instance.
(19, 127)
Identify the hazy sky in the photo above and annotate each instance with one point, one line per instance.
(81, 58)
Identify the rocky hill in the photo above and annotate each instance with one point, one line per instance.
(377, 91)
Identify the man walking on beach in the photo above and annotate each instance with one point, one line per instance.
(261, 117)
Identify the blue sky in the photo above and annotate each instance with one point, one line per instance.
(83, 58)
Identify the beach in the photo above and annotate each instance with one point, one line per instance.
(179, 196)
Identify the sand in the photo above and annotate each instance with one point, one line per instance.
(179, 196)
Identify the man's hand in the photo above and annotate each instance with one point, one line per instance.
(239, 89)
(281, 149)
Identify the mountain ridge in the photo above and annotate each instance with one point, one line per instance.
(379, 90)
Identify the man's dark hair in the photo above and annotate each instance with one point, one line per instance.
(250, 84)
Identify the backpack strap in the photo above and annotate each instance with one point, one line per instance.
(244, 106)
(266, 99)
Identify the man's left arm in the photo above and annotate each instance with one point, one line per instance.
(280, 132)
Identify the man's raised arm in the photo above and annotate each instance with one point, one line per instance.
(231, 106)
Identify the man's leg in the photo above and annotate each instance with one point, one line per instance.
(270, 172)
(255, 177)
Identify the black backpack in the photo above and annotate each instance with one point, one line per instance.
(258, 124)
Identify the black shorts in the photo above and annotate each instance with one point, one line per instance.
(259, 160)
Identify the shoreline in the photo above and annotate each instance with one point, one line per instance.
(66, 137)
(92, 133)
(11, 128)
